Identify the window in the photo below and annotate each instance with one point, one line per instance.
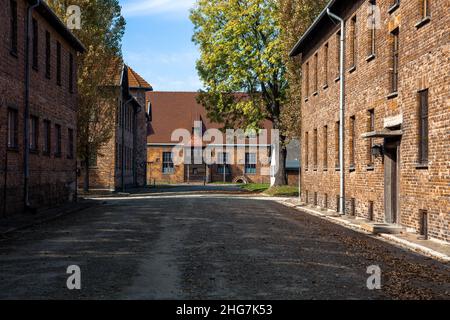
(352, 142)
(58, 141)
(370, 128)
(35, 53)
(46, 149)
(394, 5)
(71, 73)
(338, 54)
(12, 129)
(316, 72)
(33, 133)
(325, 147)
(423, 221)
(92, 160)
(250, 163)
(70, 144)
(336, 145)
(58, 63)
(315, 149)
(307, 80)
(167, 167)
(371, 36)
(306, 150)
(353, 44)
(423, 127)
(47, 55)
(425, 8)
(370, 211)
(395, 61)
(325, 65)
(352, 207)
(223, 164)
(13, 8)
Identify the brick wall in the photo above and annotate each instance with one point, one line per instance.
(423, 64)
(52, 178)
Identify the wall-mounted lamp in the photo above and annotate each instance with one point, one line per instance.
(377, 150)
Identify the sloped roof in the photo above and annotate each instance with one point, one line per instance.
(178, 110)
(136, 81)
(51, 17)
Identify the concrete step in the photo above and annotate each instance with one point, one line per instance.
(377, 228)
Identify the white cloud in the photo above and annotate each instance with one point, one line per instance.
(151, 7)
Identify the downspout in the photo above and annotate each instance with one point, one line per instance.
(26, 114)
(341, 111)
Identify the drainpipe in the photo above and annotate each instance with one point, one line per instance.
(341, 111)
(26, 114)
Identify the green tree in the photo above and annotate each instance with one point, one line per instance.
(102, 29)
(240, 47)
(295, 18)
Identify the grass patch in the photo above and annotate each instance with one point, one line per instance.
(255, 187)
(283, 191)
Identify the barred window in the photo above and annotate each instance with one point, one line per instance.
(395, 61)
(13, 8)
(352, 142)
(316, 72)
(423, 127)
(315, 155)
(35, 48)
(33, 133)
(58, 63)
(325, 64)
(325, 147)
(58, 148)
(12, 128)
(70, 144)
(47, 55)
(353, 42)
(425, 8)
(370, 128)
(371, 32)
(47, 137)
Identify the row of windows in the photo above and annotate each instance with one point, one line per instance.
(126, 117)
(35, 49)
(127, 157)
(250, 163)
(353, 50)
(51, 136)
(422, 139)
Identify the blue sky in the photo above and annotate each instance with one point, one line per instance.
(157, 43)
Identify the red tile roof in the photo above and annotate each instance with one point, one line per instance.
(178, 110)
(136, 81)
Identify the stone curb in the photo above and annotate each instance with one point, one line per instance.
(392, 239)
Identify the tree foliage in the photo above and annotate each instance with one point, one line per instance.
(240, 48)
(295, 18)
(102, 29)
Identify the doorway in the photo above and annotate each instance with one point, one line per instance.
(392, 181)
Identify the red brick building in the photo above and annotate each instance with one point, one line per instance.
(180, 110)
(397, 119)
(121, 163)
(38, 108)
